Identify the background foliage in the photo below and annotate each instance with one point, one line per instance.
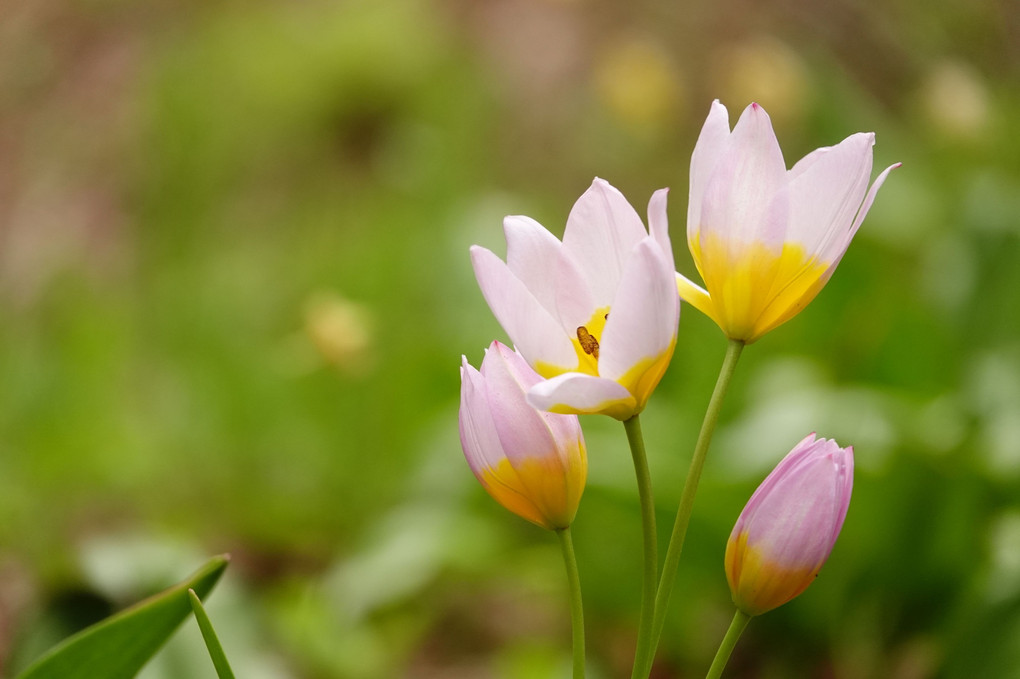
(234, 290)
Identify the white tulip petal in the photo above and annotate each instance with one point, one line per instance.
(658, 224)
(532, 254)
(709, 148)
(839, 246)
(870, 198)
(744, 181)
(578, 393)
(601, 231)
(826, 189)
(538, 335)
(574, 299)
(858, 144)
(478, 434)
(643, 321)
(522, 430)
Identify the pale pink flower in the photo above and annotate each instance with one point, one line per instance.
(764, 239)
(532, 462)
(789, 526)
(596, 313)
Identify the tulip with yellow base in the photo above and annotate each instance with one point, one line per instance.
(596, 313)
(532, 462)
(766, 240)
(785, 533)
(789, 526)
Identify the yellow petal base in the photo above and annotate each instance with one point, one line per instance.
(540, 489)
(758, 583)
(753, 288)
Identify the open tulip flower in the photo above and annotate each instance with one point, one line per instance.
(766, 240)
(789, 526)
(597, 313)
(532, 462)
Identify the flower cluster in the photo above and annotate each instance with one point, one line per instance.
(593, 319)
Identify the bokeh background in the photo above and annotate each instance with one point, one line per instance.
(234, 293)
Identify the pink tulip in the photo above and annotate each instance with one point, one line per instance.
(597, 313)
(764, 239)
(789, 526)
(533, 463)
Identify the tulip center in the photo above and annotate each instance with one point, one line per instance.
(586, 343)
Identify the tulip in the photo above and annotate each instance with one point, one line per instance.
(597, 313)
(789, 526)
(766, 240)
(532, 462)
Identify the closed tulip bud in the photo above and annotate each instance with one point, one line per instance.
(532, 462)
(789, 526)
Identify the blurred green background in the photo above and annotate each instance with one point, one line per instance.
(234, 292)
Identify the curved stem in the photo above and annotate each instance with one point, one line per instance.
(645, 648)
(722, 656)
(683, 513)
(576, 609)
(212, 642)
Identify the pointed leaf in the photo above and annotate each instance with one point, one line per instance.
(119, 646)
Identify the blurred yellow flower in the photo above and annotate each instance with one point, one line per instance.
(341, 331)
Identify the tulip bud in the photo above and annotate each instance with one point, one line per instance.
(533, 463)
(789, 526)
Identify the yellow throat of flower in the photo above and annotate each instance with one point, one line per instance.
(753, 287)
(586, 341)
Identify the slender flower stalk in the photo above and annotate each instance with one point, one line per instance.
(729, 642)
(683, 515)
(576, 608)
(533, 463)
(645, 652)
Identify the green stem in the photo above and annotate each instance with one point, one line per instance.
(683, 513)
(722, 656)
(212, 642)
(576, 609)
(645, 648)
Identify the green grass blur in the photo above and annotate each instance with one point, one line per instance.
(234, 293)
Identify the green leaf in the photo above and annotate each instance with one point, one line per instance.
(212, 642)
(119, 646)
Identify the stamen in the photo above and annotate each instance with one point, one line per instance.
(588, 342)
